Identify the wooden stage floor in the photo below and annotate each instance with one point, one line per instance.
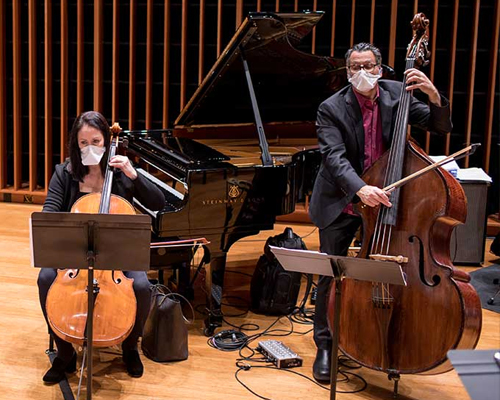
(208, 373)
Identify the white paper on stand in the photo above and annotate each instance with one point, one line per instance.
(473, 174)
(450, 166)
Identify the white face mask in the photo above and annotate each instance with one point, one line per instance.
(91, 155)
(364, 81)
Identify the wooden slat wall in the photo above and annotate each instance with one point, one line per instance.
(162, 49)
(490, 107)
(98, 60)
(219, 27)
(353, 22)
(201, 38)
(48, 89)
(16, 83)
(239, 13)
(132, 64)
(32, 61)
(63, 96)
(392, 35)
(3, 101)
(453, 56)
(472, 76)
(313, 44)
(149, 65)
(166, 64)
(115, 61)
(433, 40)
(79, 57)
(184, 45)
(332, 33)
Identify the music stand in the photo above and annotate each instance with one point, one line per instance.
(479, 371)
(93, 242)
(338, 267)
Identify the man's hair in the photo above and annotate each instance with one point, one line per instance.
(95, 120)
(360, 47)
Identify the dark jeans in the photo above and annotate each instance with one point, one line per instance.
(334, 239)
(142, 293)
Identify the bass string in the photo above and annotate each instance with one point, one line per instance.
(383, 231)
(396, 155)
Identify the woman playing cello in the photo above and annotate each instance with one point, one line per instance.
(82, 173)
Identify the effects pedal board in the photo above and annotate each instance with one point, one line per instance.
(280, 355)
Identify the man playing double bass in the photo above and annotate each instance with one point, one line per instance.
(354, 129)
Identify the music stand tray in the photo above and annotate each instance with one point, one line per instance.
(338, 267)
(93, 242)
(479, 371)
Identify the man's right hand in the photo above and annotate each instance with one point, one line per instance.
(373, 196)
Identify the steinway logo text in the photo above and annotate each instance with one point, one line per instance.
(221, 201)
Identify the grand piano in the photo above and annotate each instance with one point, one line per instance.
(243, 151)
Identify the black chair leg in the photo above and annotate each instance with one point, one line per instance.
(51, 348)
(492, 299)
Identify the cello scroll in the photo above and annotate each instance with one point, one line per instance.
(418, 47)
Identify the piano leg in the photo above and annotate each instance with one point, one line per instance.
(214, 282)
(181, 280)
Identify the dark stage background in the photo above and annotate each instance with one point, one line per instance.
(138, 62)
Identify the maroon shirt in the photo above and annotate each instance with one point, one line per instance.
(372, 124)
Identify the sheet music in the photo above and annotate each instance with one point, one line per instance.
(473, 174)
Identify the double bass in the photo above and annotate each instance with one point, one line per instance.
(409, 330)
(115, 305)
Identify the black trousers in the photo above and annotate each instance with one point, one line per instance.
(142, 293)
(334, 239)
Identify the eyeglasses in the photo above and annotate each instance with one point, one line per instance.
(368, 67)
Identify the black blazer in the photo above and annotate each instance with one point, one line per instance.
(64, 188)
(341, 138)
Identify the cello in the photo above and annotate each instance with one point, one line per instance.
(115, 304)
(409, 330)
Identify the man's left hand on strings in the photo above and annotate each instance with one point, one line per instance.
(416, 79)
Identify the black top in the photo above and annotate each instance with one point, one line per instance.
(64, 190)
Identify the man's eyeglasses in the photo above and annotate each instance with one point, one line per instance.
(368, 67)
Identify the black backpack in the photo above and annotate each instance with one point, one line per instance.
(273, 290)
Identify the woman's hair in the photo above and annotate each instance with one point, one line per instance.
(95, 120)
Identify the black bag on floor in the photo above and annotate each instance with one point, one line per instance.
(165, 335)
(273, 290)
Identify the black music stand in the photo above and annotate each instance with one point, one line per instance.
(479, 371)
(93, 242)
(312, 262)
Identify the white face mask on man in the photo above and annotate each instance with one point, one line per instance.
(364, 81)
(91, 155)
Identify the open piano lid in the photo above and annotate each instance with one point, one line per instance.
(289, 84)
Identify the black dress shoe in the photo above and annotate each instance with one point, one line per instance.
(133, 363)
(321, 366)
(56, 372)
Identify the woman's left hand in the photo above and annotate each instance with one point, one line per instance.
(123, 163)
